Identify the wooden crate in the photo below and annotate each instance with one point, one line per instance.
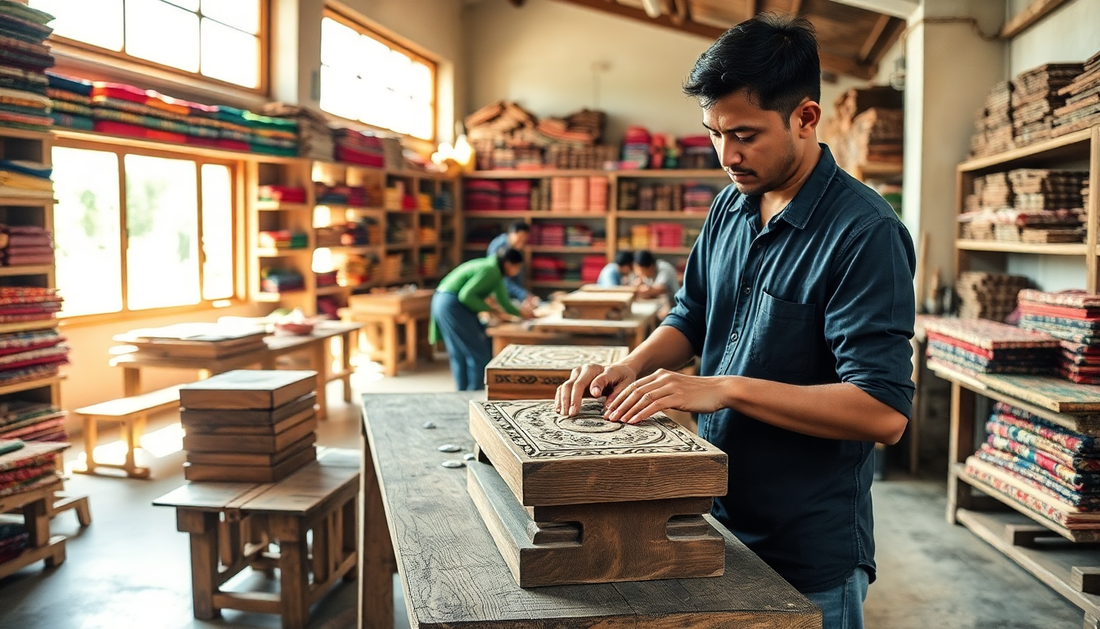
(532, 372)
(637, 493)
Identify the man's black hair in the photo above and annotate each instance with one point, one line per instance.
(519, 226)
(773, 57)
(644, 259)
(624, 258)
(508, 254)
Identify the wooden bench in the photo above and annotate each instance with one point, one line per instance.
(232, 524)
(131, 414)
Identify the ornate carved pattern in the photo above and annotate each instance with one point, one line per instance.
(542, 433)
(553, 357)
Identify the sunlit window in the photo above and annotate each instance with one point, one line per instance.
(177, 245)
(366, 78)
(220, 39)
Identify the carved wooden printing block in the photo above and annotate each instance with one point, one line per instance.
(583, 500)
(532, 372)
(612, 306)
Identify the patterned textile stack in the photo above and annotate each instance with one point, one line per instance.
(429, 263)
(1026, 205)
(28, 303)
(274, 280)
(1035, 97)
(282, 194)
(32, 421)
(357, 196)
(25, 179)
(544, 269)
(26, 466)
(597, 194)
(482, 195)
(1074, 319)
(1051, 471)
(636, 146)
(698, 197)
(24, 57)
(516, 195)
(70, 102)
(359, 148)
(314, 135)
(26, 245)
(548, 235)
(993, 123)
(987, 295)
(1082, 108)
(982, 346)
(590, 268)
(358, 270)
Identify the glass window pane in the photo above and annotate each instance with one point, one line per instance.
(242, 14)
(373, 57)
(229, 54)
(420, 121)
(86, 231)
(217, 232)
(420, 83)
(338, 44)
(341, 93)
(162, 223)
(96, 22)
(162, 33)
(398, 66)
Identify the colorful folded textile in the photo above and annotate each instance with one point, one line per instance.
(1067, 439)
(1045, 447)
(1062, 472)
(1037, 502)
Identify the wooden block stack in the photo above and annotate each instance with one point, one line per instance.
(611, 306)
(249, 425)
(583, 500)
(1082, 106)
(993, 122)
(531, 372)
(988, 295)
(1035, 97)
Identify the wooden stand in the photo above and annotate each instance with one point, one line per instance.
(36, 505)
(131, 414)
(231, 525)
(383, 313)
(534, 372)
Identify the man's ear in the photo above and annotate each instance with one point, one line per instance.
(805, 118)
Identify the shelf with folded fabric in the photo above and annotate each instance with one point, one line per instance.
(20, 387)
(1003, 246)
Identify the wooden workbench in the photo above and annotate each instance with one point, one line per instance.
(553, 329)
(419, 521)
(384, 312)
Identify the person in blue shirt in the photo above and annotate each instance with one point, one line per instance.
(516, 238)
(798, 297)
(617, 272)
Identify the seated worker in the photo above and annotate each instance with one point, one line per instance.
(461, 295)
(515, 238)
(618, 272)
(655, 278)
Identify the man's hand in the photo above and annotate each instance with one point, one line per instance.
(532, 301)
(594, 379)
(663, 390)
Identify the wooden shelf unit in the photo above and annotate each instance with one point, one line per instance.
(310, 215)
(616, 222)
(1050, 552)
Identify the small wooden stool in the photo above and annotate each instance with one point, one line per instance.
(130, 413)
(231, 525)
(35, 505)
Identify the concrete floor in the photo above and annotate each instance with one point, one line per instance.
(130, 568)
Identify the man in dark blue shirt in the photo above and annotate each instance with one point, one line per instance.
(798, 297)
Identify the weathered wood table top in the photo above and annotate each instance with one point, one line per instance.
(452, 574)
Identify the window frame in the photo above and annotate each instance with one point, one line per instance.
(391, 42)
(236, 174)
(263, 85)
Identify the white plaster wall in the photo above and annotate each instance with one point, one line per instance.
(1070, 33)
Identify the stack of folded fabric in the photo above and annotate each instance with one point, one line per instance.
(26, 466)
(32, 421)
(636, 147)
(443, 200)
(561, 189)
(28, 303)
(988, 295)
(283, 194)
(517, 195)
(314, 135)
(483, 194)
(1082, 107)
(1036, 96)
(70, 102)
(549, 235)
(993, 123)
(359, 148)
(429, 263)
(358, 196)
(696, 151)
(1050, 470)
(1074, 319)
(25, 245)
(281, 280)
(545, 269)
(25, 179)
(34, 354)
(360, 269)
(578, 236)
(597, 194)
(981, 346)
(14, 538)
(698, 196)
(262, 134)
(666, 235)
(24, 58)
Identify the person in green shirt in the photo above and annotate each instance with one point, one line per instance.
(459, 297)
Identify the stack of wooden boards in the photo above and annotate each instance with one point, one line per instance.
(249, 425)
(195, 340)
(531, 372)
(1035, 97)
(1026, 205)
(867, 128)
(988, 295)
(583, 500)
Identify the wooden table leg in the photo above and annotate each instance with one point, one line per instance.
(376, 562)
(318, 360)
(131, 381)
(203, 529)
(411, 343)
(345, 362)
(293, 570)
(963, 406)
(91, 440)
(389, 347)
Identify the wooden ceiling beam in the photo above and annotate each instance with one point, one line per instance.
(872, 38)
(846, 66)
(895, 8)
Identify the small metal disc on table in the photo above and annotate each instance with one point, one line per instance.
(453, 463)
(450, 447)
(428, 425)
(469, 456)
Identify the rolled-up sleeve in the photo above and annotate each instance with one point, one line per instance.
(870, 315)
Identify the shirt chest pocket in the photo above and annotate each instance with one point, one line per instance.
(783, 336)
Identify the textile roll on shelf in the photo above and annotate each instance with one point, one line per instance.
(982, 346)
(1072, 318)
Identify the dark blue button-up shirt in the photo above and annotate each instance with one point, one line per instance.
(822, 294)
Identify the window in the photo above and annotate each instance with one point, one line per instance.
(177, 245)
(219, 39)
(366, 78)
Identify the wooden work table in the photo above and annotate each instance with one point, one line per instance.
(383, 313)
(553, 329)
(419, 520)
(315, 343)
